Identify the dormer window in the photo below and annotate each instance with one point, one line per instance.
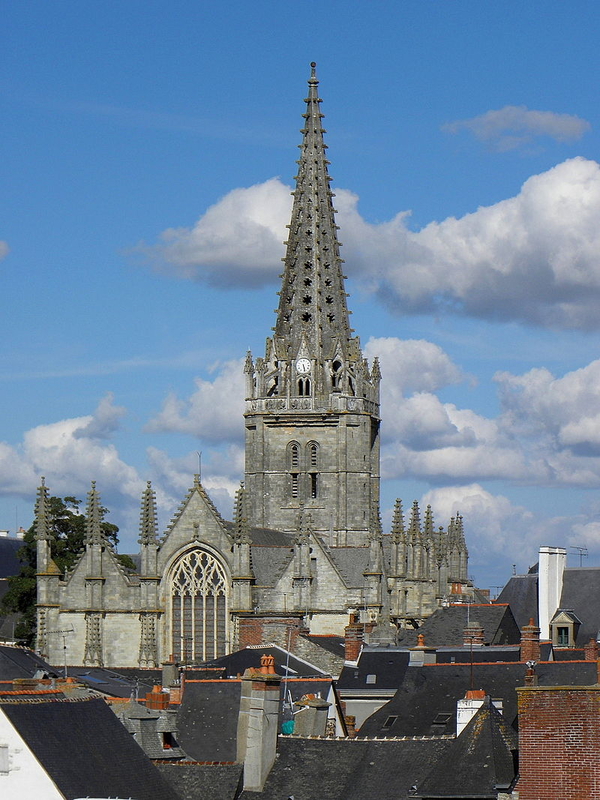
(564, 628)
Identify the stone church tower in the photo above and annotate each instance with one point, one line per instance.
(312, 403)
(306, 548)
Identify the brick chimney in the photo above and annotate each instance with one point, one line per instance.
(350, 721)
(530, 642)
(559, 742)
(354, 635)
(591, 650)
(258, 722)
(473, 634)
(157, 699)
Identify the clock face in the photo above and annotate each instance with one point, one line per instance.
(303, 365)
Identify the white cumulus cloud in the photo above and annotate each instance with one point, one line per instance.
(534, 258)
(212, 413)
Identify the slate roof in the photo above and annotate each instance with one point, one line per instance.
(207, 720)
(116, 684)
(350, 562)
(86, 751)
(208, 715)
(236, 663)
(425, 702)
(268, 537)
(348, 769)
(581, 595)
(9, 562)
(478, 763)
(202, 782)
(333, 644)
(20, 662)
(446, 625)
(269, 563)
(521, 594)
(387, 665)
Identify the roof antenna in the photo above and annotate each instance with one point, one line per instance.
(583, 553)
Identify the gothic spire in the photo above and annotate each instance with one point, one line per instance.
(312, 305)
(93, 530)
(42, 514)
(148, 524)
(240, 521)
(398, 521)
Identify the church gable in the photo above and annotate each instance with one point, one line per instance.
(196, 520)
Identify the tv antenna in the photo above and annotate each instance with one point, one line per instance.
(583, 553)
(64, 638)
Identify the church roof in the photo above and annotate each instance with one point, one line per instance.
(86, 751)
(351, 563)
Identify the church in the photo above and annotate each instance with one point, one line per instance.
(305, 548)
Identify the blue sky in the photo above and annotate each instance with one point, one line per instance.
(148, 150)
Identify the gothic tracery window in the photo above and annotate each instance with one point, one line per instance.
(199, 594)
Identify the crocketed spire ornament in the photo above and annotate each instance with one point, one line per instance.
(42, 514)
(93, 525)
(241, 533)
(148, 522)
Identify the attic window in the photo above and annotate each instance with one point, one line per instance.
(371, 679)
(562, 636)
(442, 719)
(390, 721)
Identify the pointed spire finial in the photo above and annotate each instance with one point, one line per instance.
(313, 69)
(93, 530)
(42, 513)
(148, 523)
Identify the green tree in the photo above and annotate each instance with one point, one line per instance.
(67, 525)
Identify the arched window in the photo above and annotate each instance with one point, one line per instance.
(313, 465)
(293, 455)
(199, 596)
(304, 387)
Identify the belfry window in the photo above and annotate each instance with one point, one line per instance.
(336, 374)
(294, 484)
(294, 455)
(199, 612)
(312, 449)
(304, 387)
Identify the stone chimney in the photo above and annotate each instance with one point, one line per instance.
(354, 635)
(311, 716)
(473, 634)
(530, 642)
(258, 722)
(552, 562)
(420, 655)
